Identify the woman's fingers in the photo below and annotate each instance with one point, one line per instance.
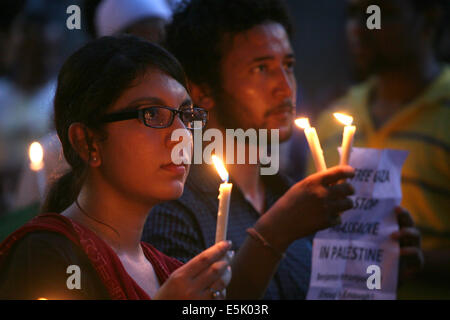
(195, 278)
(214, 273)
(214, 294)
(205, 259)
(230, 255)
(217, 290)
(226, 276)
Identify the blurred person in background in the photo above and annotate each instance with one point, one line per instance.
(143, 18)
(9, 9)
(33, 56)
(403, 103)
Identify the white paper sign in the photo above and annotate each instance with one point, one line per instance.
(357, 259)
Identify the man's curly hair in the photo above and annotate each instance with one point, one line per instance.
(197, 31)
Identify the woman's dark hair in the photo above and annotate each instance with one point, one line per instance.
(89, 82)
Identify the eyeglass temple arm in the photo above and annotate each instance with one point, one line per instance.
(122, 116)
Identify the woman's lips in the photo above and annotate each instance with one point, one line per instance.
(176, 169)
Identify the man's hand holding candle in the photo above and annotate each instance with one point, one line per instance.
(310, 205)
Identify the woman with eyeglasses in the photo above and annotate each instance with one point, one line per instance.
(117, 103)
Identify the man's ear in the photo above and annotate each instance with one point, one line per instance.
(82, 140)
(201, 96)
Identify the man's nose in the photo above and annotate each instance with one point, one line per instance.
(285, 83)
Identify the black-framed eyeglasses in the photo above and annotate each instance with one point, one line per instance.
(162, 116)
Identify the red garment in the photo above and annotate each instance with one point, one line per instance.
(105, 261)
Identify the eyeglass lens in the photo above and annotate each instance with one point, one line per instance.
(162, 117)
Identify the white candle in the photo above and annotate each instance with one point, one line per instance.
(347, 137)
(224, 200)
(313, 142)
(36, 154)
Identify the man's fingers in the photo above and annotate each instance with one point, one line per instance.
(411, 252)
(341, 190)
(407, 237)
(335, 220)
(341, 205)
(335, 174)
(203, 260)
(404, 217)
(411, 258)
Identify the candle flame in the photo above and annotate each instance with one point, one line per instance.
(343, 118)
(302, 123)
(36, 154)
(223, 173)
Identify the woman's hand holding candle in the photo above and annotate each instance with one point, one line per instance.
(200, 277)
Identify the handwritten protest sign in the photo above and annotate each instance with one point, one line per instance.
(342, 254)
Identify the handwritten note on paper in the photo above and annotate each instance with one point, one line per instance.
(343, 255)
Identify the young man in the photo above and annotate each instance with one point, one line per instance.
(239, 60)
(404, 104)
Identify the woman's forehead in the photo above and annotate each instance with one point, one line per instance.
(155, 86)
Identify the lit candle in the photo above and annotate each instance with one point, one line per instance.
(313, 142)
(347, 137)
(224, 200)
(36, 154)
